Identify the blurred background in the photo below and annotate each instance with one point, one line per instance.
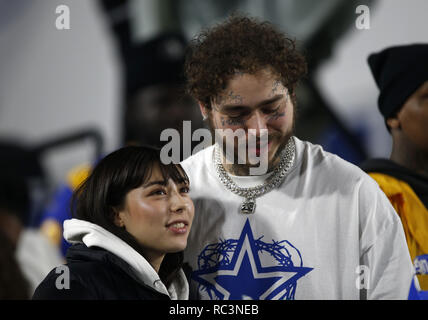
(70, 95)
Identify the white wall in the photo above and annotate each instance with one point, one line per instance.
(346, 79)
(55, 81)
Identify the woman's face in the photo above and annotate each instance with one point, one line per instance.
(159, 215)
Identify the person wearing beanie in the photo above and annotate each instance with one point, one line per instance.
(401, 74)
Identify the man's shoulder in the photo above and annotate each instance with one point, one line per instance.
(333, 173)
(198, 160)
(318, 160)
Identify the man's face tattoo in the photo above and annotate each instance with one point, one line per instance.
(255, 101)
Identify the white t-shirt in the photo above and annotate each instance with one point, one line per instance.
(327, 232)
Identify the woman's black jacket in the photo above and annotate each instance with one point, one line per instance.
(94, 274)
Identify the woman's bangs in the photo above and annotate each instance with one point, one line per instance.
(175, 172)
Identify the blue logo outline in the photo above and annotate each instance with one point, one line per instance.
(219, 274)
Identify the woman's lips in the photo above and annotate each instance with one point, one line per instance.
(178, 227)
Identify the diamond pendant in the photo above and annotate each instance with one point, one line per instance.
(248, 206)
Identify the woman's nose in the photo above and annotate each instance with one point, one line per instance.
(177, 202)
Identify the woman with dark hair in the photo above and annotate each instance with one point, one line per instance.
(132, 217)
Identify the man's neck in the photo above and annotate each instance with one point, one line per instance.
(237, 169)
(408, 156)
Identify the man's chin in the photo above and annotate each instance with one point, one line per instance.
(275, 151)
(268, 162)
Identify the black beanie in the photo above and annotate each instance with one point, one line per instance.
(398, 71)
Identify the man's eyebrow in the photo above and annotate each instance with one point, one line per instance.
(272, 100)
(231, 107)
(151, 183)
(235, 107)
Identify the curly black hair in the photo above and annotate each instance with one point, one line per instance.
(240, 44)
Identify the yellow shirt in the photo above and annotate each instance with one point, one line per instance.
(413, 214)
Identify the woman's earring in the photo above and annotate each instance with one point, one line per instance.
(204, 117)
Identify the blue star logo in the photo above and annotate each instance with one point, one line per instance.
(233, 269)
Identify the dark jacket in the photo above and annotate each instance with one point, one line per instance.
(94, 274)
(417, 182)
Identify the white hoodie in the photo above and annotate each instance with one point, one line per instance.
(92, 235)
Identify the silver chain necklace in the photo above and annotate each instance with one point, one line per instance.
(248, 206)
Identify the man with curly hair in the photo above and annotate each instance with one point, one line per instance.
(313, 226)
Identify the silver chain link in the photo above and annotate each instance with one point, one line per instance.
(273, 181)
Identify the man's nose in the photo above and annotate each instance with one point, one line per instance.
(257, 122)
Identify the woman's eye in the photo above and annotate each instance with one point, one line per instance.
(158, 192)
(185, 190)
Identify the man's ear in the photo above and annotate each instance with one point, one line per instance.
(204, 111)
(393, 123)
